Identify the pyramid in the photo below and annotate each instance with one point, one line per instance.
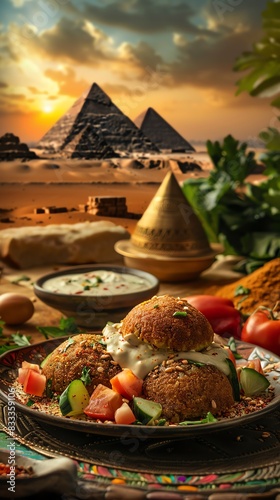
(161, 132)
(97, 122)
(88, 144)
(12, 149)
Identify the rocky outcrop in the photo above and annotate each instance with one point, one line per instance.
(12, 149)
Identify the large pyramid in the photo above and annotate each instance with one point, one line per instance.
(161, 132)
(95, 128)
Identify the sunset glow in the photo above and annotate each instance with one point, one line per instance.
(176, 57)
(47, 108)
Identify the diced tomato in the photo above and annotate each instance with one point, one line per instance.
(22, 374)
(23, 371)
(34, 383)
(124, 415)
(103, 403)
(230, 355)
(127, 384)
(31, 366)
(252, 363)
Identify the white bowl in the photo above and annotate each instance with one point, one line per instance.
(94, 311)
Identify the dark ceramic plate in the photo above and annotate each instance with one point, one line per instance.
(57, 475)
(10, 361)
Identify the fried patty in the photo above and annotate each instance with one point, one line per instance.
(83, 353)
(187, 390)
(169, 323)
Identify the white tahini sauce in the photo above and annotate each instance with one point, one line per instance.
(100, 282)
(141, 358)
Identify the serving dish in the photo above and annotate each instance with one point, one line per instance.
(57, 475)
(167, 268)
(94, 311)
(10, 361)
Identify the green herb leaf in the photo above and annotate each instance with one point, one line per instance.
(241, 290)
(85, 377)
(180, 314)
(9, 342)
(232, 345)
(207, 420)
(70, 341)
(20, 340)
(30, 402)
(66, 326)
(21, 278)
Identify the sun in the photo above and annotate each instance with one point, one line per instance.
(47, 108)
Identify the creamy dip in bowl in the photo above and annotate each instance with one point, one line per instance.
(96, 294)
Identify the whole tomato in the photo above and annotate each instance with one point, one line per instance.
(224, 318)
(262, 328)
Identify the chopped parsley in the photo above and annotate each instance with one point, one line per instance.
(241, 290)
(70, 341)
(85, 377)
(180, 314)
(209, 419)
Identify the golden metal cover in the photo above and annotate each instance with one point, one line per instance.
(169, 224)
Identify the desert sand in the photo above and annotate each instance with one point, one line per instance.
(54, 182)
(27, 186)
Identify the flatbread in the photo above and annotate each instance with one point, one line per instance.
(81, 243)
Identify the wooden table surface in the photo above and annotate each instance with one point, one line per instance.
(219, 274)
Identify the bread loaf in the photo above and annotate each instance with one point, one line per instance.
(82, 243)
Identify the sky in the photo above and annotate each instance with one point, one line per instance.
(175, 56)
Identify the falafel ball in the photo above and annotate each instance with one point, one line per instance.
(188, 390)
(69, 359)
(169, 323)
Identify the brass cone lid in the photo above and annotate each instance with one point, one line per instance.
(169, 225)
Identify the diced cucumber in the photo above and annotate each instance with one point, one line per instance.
(252, 382)
(74, 399)
(233, 378)
(45, 360)
(145, 410)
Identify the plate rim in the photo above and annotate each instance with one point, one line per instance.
(140, 431)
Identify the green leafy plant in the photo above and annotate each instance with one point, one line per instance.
(8, 342)
(263, 68)
(243, 217)
(66, 326)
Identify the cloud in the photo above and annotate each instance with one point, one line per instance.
(144, 16)
(71, 40)
(67, 81)
(234, 14)
(207, 64)
(138, 57)
(35, 90)
(12, 103)
(19, 3)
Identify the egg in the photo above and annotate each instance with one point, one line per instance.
(15, 308)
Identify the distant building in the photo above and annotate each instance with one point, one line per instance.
(161, 133)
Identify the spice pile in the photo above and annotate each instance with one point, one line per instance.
(18, 470)
(261, 288)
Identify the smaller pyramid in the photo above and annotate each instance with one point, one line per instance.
(161, 133)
